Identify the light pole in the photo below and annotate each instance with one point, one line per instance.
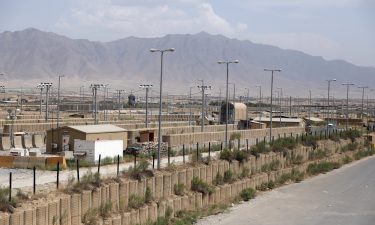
(82, 97)
(40, 87)
(105, 101)
(329, 112)
(226, 99)
(310, 105)
(119, 101)
(94, 88)
(203, 88)
(58, 101)
(347, 103)
(280, 102)
(260, 101)
(160, 94)
(190, 106)
(363, 95)
(272, 71)
(47, 86)
(147, 87)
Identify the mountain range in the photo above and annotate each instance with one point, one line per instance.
(31, 56)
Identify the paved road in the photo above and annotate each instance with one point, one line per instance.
(342, 197)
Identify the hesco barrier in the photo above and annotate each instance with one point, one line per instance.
(28, 162)
(5, 143)
(27, 141)
(38, 140)
(70, 209)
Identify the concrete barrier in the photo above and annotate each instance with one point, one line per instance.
(6, 161)
(27, 141)
(5, 143)
(21, 162)
(38, 140)
(18, 142)
(38, 162)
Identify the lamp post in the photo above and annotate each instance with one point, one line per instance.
(190, 106)
(347, 103)
(363, 95)
(94, 88)
(147, 87)
(329, 113)
(280, 101)
(272, 71)
(260, 101)
(47, 86)
(119, 102)
(40, 87)
(226, 99)
(160, 94)
(58, 101)
(203, 88)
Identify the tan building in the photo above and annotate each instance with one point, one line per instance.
(62, 139)
(283, 122)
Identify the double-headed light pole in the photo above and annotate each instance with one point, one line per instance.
(272, 71)
(42, 86)
(94, 88)
(147, 87)
(160, 94)
(203, 88)
(347, 103)
(226, 99)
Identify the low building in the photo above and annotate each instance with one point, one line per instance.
(62, 139)
(281, 122)
(236, 112)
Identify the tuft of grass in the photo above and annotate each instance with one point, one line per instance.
(247, 194)
(228, 176)
(322, 167)
(135, 201)
(201, 186)
(218, 180)
(105, 209)
(179, 189)
(148, 195)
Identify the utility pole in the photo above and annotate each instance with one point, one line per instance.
(40, 87)
(260, 101)
(203, 88)
(347, 103)
(363, 95)
(94, 88)
(329, 86)
(272, 71)
(310, 105)
(105, 102)
(47, 86)
(58, 101)
(147, 88)
(190, 107)
(119, 102)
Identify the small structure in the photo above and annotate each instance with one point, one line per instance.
(141, 135)
(281, 122)
(236, 112)
(62, 139)
(91, 150)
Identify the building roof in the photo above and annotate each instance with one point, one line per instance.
(314, 119)
(101, 128)
(277, 119)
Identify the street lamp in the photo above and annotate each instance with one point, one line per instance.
(203, 88)
(40, 87)
(272, 71)
(347, 103)
(280, 101)
(94, 88)
(119, 101)
(260, 101)
(329, 112)
(160, 94)
(47, 86)
(226, 99)
(363, 95)
(147, 87)
(58, 101)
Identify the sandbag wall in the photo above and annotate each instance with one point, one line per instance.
(70, 209)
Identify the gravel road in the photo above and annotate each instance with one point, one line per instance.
(342, 197)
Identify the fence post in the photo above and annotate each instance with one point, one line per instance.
(58, 175)
(264, 139)
(183, 153)
(34, 179)
(153, 159)
(78, 169)
(238, 143)
(135, 160)
(247, 145)
(197, 152)
(256, 141)
(10, 186)
(118, 164)
(221, 146)
(209, 150)
(100, 156)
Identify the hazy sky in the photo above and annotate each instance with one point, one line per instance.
(334, 29)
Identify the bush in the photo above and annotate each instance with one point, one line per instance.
(240, 156)
(272, 166)
(228, 176)
(263, 186)
(105, 209)
(347, 159)
(135, 201)
(323, 167)
(363, 153)
(283, 179)
(271, 184)
(297, 176)
(310, 141)
(179, 189)
(139, 170)
(199, 185)
(218, 180)
(5, 205)
(247, 194)
(106, 161)
(227, 155)
(283, 144)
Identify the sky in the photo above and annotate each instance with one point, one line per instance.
(334, 29)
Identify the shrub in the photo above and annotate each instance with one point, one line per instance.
(105, 209)
(240, 156)
(91, 217)
(245, 172)
(263, 186)
(247, 194)
(318, 154)
(347, 159)
(139, 170)
(135, 201)
(283, 144)
(218, 180)
(148, 195)
(179, 189)
(323, 167)
(271, 184)
(272, 166)
(297, 176)
(5, 205)
(227, 155)
(283, 179)
(199, 185)
(107, 160)
(228, 176)
(310, 141)
(363, 153)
